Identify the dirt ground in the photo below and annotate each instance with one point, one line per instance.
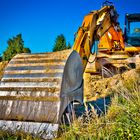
(96, 88)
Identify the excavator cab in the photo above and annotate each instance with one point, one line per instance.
(132, 32)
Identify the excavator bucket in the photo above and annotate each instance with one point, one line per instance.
(36, 89)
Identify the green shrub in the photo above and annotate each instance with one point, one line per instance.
(15, 46)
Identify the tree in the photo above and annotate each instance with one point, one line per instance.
(60, 43)
(68, 46)
(26, 50)
(15, 46)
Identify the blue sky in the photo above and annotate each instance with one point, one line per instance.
(40, 21)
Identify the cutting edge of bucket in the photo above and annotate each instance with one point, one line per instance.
(43, 130)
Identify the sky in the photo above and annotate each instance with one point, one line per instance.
(41, 21)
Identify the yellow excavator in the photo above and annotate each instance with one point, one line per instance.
(36, 90)
(109, 54)
(117, 52)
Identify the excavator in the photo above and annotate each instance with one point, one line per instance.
(117, 51)
(110, 53)
(37, 90)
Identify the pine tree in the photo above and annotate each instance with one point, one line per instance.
(60, 43)
(15, 46)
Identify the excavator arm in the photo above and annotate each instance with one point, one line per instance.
(94, 26)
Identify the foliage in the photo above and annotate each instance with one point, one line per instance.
(15, 46)
(19, 135)
(60, 43)
(68, 46)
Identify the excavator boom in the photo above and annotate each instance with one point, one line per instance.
(94, 26)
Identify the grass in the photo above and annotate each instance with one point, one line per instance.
(19, 135)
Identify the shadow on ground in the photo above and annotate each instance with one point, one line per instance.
(100, 105)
